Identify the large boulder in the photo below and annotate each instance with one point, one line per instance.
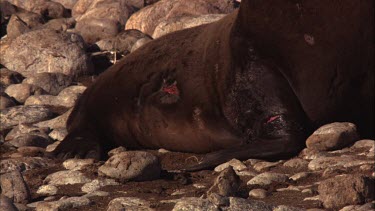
(58, 52)
(47, 8)
(184, 22)
(147, 19)
(23, 22)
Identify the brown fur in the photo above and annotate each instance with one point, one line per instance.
(249, 85)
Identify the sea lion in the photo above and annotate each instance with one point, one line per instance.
(252, 85)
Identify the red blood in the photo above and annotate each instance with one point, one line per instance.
(272, 118)
(172, 89)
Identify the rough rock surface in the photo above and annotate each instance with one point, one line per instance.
(358, 190)
(21, 92)
(132, 165)
(147, 19)
(62, 52)
(333, 136)
(23, 22)
(14, 187)
(51, 83)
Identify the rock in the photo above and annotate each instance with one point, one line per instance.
(366, 143)
(23, 115)
(47, 190)
(96, 193)
(47, 8)
(68, 4)
(287, 208)
(217, 199)
(336, 162)
(183, 22)
(299, 176)
(365, 207)
(31, 151)
(226, 184)
(296, 163)
(236, 164)
(21, 92)
(192, 203)
(53, 146)
(66, 98)
(59, 25)
(123, 42)
(258, 193)
(333, 136)
(30, 140)
(93, 30)
(117, 150)
(63, 204)
(58, 134)
(6, 204)
(97, 184)
(8, 77)
(139, 43)
(132, 165)
(244, 204)
(128, 203)
(264, 165)
(66, 177)
(51, 83)
(61, 52)
(23, 22)
(24, 129)
(6, 101)
(310, 154)
(58, 122)
(22, 164)
(346, 190)
(147, 19)
(267, 178)
(14, 187)
(77, 164)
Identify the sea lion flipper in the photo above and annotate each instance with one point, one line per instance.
(80, 144)
(261, 149)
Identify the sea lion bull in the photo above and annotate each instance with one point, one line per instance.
(252, 85)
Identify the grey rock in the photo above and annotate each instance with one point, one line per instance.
(24, 129)
(267, 178)
(53, 146)
(42, 7)
(8, 77)
(309, 154)
(21, 92)
(68, 4)
(192, 203)
(23, 163)
(59, 25)
(299, 176)
(58, 122)
(217, 199)
(66, 98)
(333, 136)
(66, 177)
(184, 22)
(47, 190)
(258, 193)
(287, 208)
(264, 165)
(226, 183)
(30, 140)
(58, 134)
(14, 187)
(23, 22)
(245, 204)
(23, 115)
(93, 30)
(77, 164)
(366, 207)
(296, 163)
(236, 164)
(31, 151)
(97, 184)
(139, 43)
(6, 101)
(52, 83)
(128, 203)
(346, 190)
(336, 162)
(63, 204)
(366, 143)
(6, 204)
(61, 52)
(132, 165)
(116, 151)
